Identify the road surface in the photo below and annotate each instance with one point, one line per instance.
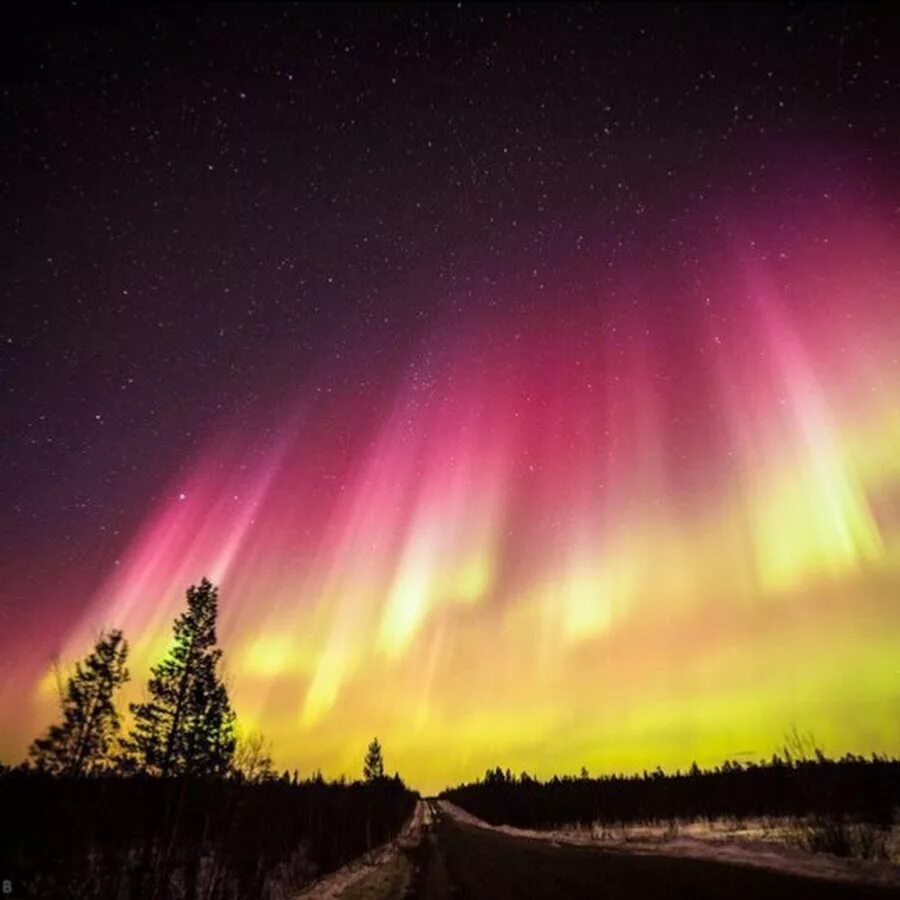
(458, 861)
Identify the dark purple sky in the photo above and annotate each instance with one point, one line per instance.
(207, 211)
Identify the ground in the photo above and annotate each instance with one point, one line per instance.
(444, 854)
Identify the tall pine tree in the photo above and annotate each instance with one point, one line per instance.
(187, 725)
(373, 765)
(82, 744)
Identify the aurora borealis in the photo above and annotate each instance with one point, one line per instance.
(624, 490)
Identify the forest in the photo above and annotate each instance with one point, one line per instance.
(146, 837)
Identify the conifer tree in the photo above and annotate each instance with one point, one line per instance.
(187, 725)
(373, 765)
(82, 743)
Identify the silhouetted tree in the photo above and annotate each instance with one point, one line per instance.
(799, 747)
(252, 759)
(82, 742)
(187, 726)
(373, 766)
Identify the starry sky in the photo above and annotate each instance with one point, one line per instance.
(528, 378)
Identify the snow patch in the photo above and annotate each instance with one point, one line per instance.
(379, 864)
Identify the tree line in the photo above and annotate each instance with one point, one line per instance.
(832, 794)
(143, 837)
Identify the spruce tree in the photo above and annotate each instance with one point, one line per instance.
(373, 765)
(82, 743)
(187, 725)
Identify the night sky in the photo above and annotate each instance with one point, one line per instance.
(528, 377)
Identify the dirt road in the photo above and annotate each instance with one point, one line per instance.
(457, 861)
